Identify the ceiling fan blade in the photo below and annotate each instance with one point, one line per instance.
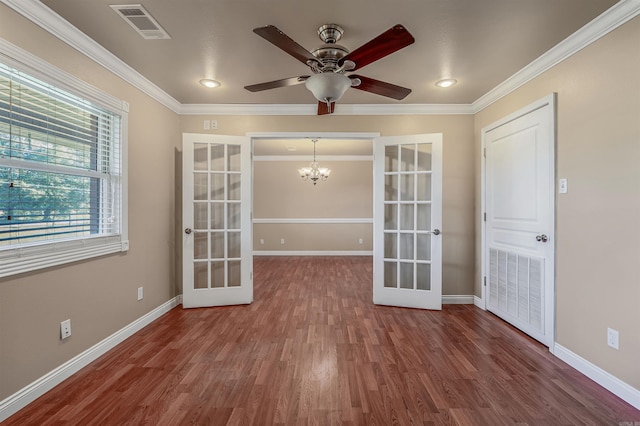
(380, 87)
(385, 44)
(292, 81)
(284, 42)
(323, 108)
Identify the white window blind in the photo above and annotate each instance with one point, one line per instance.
(60, 175)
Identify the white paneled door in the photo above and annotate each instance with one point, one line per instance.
(519, 229)
(217, 240)
(408, 221)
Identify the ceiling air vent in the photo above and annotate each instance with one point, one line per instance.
(141, 21)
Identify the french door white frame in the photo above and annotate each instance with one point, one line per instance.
(550, 311)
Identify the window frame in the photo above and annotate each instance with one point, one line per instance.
(31, 257)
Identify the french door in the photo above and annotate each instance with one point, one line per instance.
(520, 219)
(408, 221)
(217, 240)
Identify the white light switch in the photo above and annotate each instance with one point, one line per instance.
(563, 186)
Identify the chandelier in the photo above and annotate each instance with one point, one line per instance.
(313, 172)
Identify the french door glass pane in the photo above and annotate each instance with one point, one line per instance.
(234, 273)
(217, 245)
(423, 220)
(200, 215)
(390, 245)
(391, 187)
(217, 216)
(234, 216)
(233, 189)
(217, 274)
(200, 275)
(200, 186)
(233, 247)
(391, 274)
(407, 158)
(423, 246)
(217, 158)
(200, 244)
(200, 156)
(391, 216)
(234, 158)
(424, 186)
(406, 217)
(424, 157)
(217, 186)
(406, 246)
(423, 276)
(391, 158)
(407, 187)
(406, 275)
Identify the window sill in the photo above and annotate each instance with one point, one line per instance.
(15, 261)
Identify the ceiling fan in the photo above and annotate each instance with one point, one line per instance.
(330, 62)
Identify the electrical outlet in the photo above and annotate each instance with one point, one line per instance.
(65, 329)
(360, 241)
(214, 124)
(613, 338)
(139, 293)
(281, 240)
(261, 241)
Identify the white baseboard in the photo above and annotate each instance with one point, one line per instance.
(455, 299)
(614, 385)
(312, 253)
(479, 302)
(31, 392)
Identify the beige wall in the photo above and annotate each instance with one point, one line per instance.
(99, 296)
(278, 193)
(458, 170)
(598, 237)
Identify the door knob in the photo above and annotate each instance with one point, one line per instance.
(436, 231)
(187, 231)
(542, 238)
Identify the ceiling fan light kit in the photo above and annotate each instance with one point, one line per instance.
(330, 61)
(328, 87)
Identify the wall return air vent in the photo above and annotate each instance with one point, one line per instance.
(138, 17)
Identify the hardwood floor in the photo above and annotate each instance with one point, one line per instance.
(313, 349)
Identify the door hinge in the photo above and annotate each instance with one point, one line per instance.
(484, 152)
(485, 281)
(484, 216)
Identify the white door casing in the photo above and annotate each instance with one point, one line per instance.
(407, 264)
(217, 229)
(519, 205)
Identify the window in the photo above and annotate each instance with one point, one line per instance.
(61, 171)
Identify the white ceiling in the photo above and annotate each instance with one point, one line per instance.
(479, 43)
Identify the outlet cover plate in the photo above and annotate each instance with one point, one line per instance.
(65, 329)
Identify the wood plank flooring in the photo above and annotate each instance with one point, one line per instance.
(313, 349)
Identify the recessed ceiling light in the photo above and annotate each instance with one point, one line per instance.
(207, 82)
(448, 82)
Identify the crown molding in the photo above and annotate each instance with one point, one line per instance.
(44, 17)
(312, 109)
(50, 21)
(609, 20)
(305, 158)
